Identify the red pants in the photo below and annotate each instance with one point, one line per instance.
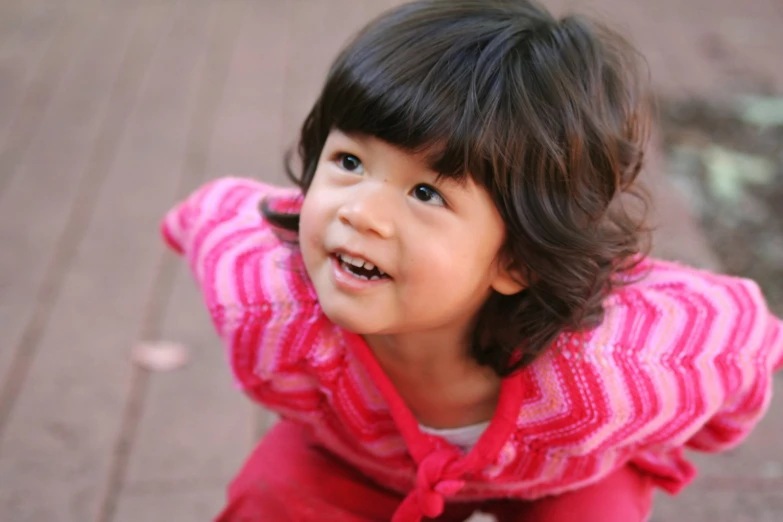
(289, 479)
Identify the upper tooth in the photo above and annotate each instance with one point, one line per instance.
(355, 261)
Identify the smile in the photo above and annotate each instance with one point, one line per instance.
(359, 267)
(351, 276)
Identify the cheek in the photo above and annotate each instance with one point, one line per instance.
(314, 209)
(311, 226)
(458, 265)
(443, 264)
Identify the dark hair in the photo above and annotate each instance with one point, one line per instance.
(548, 115)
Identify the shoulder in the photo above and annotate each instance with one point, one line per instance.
(669, 306)
(674, 346)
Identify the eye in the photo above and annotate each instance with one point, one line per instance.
(350, 163)
(427, 194)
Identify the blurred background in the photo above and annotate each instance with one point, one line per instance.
(115, 401)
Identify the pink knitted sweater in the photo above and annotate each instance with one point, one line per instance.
(683, 358)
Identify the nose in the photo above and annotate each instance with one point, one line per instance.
(370, 211)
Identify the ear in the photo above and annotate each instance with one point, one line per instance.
(508, 280)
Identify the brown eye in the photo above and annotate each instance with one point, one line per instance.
(350, 163)
(427, 194)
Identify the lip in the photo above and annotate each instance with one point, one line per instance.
(344, 280)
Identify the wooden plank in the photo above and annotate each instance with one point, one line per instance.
(24, 39)
(163, 504)
(46, 188)
(23, 122)
(176, 441)
(35, 66)
(196, 429)
(247, 139)
(312, 50)
(16, 15)
(95, 289)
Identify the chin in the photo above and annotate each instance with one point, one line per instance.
(348, 321)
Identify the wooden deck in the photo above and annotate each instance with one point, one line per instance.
(109, 112)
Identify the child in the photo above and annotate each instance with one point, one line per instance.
(452, 312)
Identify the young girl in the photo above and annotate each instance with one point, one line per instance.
(451, 312)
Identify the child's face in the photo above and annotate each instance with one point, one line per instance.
(437, 244)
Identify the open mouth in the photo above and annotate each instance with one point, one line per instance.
(360, 268)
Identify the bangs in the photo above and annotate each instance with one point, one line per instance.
(549, 116)
(440, 95)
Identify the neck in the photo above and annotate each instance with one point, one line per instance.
(433, 372)
(431, 354)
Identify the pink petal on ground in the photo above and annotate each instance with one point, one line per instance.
(160, 356)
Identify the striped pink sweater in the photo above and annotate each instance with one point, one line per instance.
(683, 358)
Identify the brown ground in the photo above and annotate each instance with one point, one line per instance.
(743, 221)
(110, 110)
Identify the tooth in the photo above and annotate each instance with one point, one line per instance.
(358, 263)
(373, 278)
(368, 265)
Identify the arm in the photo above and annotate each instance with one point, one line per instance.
(244, 272)
(753, 352)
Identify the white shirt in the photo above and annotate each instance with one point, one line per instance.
(464, 438)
